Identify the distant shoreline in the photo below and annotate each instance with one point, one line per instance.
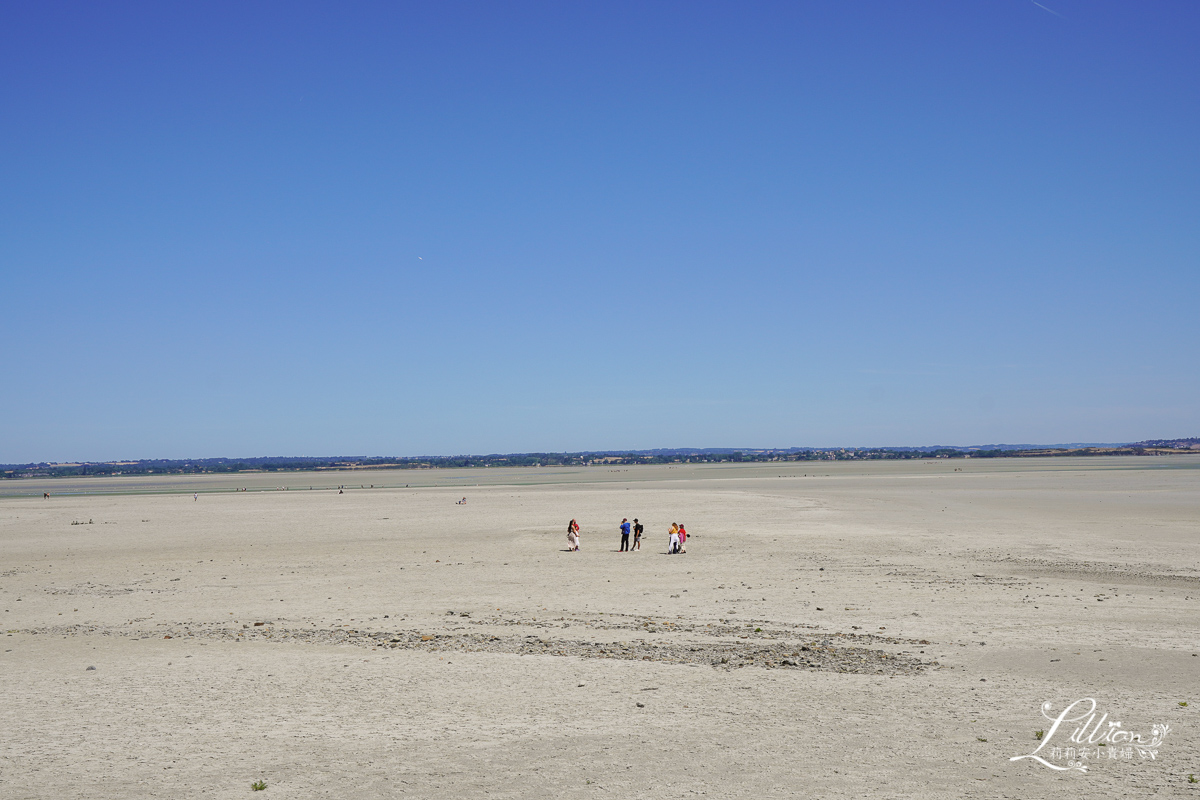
(282, 464)
(457, 483)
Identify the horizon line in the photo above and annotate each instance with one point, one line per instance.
(619, 451)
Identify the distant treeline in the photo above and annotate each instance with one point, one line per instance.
(307, 463)
(198, 466)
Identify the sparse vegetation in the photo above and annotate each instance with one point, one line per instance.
(258, 786)
(1038, 735)
(980, 739)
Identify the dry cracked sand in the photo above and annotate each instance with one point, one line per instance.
(835, 630)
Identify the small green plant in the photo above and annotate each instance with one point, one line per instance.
(1183, 704)
(759, 630)
(980, 739)
(1192, 778)
(258, 786)
(1038, 735)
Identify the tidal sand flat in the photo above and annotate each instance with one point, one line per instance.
(840, 629)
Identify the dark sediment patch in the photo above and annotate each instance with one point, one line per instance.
(727, 649)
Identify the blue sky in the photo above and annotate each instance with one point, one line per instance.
(381, 228)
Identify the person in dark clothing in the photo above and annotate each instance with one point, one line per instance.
(625, 535)
(637, 534)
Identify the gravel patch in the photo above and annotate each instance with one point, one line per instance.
(726, 647)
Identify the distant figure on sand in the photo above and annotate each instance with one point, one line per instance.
(682, 539)
(673, 540)
(625, 534)
(572, 535)
(637, 534)
(462, 502)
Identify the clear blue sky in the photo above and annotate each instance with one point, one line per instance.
(435, 228)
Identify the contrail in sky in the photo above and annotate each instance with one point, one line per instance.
(1051, 10)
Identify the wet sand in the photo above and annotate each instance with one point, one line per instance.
(835, 630)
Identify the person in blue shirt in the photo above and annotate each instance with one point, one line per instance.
(625, 535)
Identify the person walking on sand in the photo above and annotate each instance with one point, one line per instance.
(682, 539)
(624, 535)
(637, 534)
(673, 540)
(572, 536)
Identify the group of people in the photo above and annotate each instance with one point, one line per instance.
(637, 535)
(676, 537)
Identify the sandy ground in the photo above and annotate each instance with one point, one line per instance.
(412, 647)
